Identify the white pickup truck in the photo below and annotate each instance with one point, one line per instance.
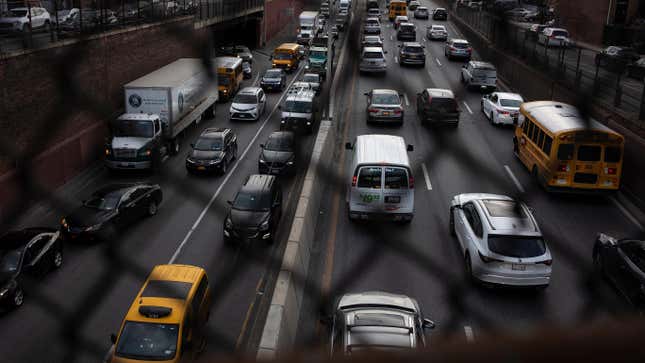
(479, 74)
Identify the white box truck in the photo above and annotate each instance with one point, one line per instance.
(308, 26)
(158, 108)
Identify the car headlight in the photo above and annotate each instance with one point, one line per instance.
(63, 222)
(228, 223)
(264, 226)
(144, 152)
(214, 161)
(93, 228)
(107, 151)
(4, 291)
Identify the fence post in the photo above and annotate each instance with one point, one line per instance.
(51, 31)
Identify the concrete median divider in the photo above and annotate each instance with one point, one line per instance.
(284, 312)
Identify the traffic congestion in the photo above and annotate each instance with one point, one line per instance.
(442, 175)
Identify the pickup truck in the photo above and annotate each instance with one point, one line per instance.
(479, 74)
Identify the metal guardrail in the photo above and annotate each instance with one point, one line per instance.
(30, 24)
(576, 66)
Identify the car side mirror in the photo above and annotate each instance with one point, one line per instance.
(262, 146)
(192, 145)
(113, 338)
(348, 146)
(230, 202)
(410, 148)
(428, 324)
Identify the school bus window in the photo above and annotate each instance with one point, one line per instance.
(588, 153)
(222, 80)
(525, 125)
(565, 152)
(548, 141)
(540, 138)
(612, 154)
(531, 127)
(370, 178)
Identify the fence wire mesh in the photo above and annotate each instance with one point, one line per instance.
(384, 239)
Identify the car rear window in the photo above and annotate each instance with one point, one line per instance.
(413, 49)
(588, 153)
(565, 152)
(612, 154)
(385, 99)
(396, 178)
(373, 55)
(510, 103)
(516, 246)
(560, 33)
(444, 104)
(407, 28)
(370, 177)
(460, 45)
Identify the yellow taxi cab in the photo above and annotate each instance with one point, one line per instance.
(286, 56)
(166, 319)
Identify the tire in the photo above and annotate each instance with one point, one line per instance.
(451, 224)
(492, 118)
(18, 298)
(57, 260)
(224, 167)
(468, 265)
(152, 208)
(235, 153)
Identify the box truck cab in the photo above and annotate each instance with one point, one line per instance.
(158, 108)
(381, 184)
(308, 26)
(229, 76)
(286, 56)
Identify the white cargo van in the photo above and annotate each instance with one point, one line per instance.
(382, 184)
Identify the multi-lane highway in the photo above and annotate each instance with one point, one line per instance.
(422, 259)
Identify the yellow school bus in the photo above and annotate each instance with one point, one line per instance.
(166, 320)
(566, 152)
(286, 56)
(397, 8)
(229, 76)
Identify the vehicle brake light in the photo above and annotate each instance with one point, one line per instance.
(564, 168)
(469, 49)
(411, 182)
(372, 110)
(452, 48)
(354, 181)
(546, 262)
(610, 171)
(397, 111)
(504, 113)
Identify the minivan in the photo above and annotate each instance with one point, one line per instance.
(381, 185)
(437, 106)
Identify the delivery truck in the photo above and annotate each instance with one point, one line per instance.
(308, 27)
(158, 108)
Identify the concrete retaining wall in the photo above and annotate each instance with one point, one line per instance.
(284, 313)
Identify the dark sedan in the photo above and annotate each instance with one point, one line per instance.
(622, 262)
(277, 155)
(440, 14)
(214, 150)
(111, 209)
(26, 254)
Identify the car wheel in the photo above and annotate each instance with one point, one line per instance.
(58, 259)
(18, 297)
(492, 118)
(152, 208)
(224, 167)
(469, 268)
(235, 152)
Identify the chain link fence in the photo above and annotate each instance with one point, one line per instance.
(384, 239)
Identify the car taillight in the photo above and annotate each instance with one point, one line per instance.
(487, 259)
(397, 111)
(411, 182)
(372, 110)
(610, 171)
(546, 262)
(504, 113)
(469, 49)
(564, 168)
(354, 181)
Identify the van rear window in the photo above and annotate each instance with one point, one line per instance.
(444, 104)
(396, 178)
(369, 178)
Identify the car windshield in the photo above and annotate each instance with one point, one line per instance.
(104, 202)
(298, 106)
(272, 74)
(317, 54)
(385, 99)
(208, 144)
(18, 13)
(250, 202)
(133, 128)
(9, 262)
(148, 341)
(278, 144)
(509, 103)
(282, 55)
(373, 55)
(413, 50)
(242, 98)
(310, 78)
(517, 246)
(223, 81)
(560, 33)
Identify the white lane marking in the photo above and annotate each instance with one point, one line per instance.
(396, 59)
(514, 179)
(628, 214)
(439, 63)
(470, 337)
(425, 40)
(229, 174)
(405, 98)
(391, 37)
(426, 176)
(468, 108)
(257, 78)
(324, 114)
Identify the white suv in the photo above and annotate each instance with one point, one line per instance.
(500, 240)
(554, 37)
(373, 60)
(248, 104)
(17, 20)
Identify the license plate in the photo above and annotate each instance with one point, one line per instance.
(201, 168)
(126, 165)
(386, 114)
(395, 199)
(517, 267)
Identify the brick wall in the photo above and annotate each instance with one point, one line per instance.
(281, 13)
(585, 20)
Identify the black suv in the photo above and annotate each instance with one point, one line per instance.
(31, 251)
(277, 155)
(214, 150)
(255, 212)
(274, 79)
(437, 106)
(440, 14)
(111, 209)
(412, 53)
(406, 31)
